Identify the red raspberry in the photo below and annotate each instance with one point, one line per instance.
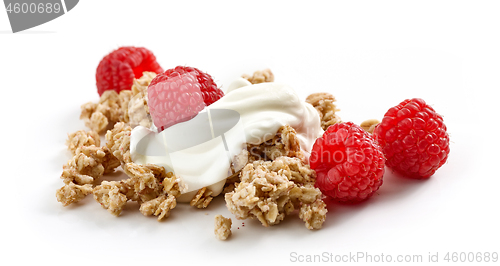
(413, 138)
(117, 70)
(348, 163)
(209, 89)
(177, 96)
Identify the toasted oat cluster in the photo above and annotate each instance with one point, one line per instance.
(269, 191)
(260, 76)
(284, 143)
(104, 114)
(323, 102)
(129, 106)
(87, 166)
(138, 111)
(112, 195)
(202, 198)
(369, 125)
(118, 142)
(222, 227)
(149, 185)
(159, 206)
(72, 193)
(82, 138)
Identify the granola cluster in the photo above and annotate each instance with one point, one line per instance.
(369, 125)
(260, 76)
(284, 143)
(222, 227)
(72, 193)
(87, 166)
(149, 185)
(138, 110)
(202, 198)
(275, 182)
(118, 142)
(128, 106)
(324, 103)
(82, 138)
(270, 190)
(104, 114)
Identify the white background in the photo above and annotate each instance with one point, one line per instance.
(370, 54)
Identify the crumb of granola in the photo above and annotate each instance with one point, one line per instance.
(72, 193)
(323, 102)
(145, 184)
(143, 176)
(231, 182)
(149, 185)
(306, 194)
(106, 112)
(111, 108)
(268, 192)
(82, 138)
(222, 227)
(296, 170)
(110, 162)
(87, 110)
(260, 76)
(138, 110)
(202, 198)
(313, 214)
(97, 121)
(151, 182)
(173, 185)
(369, 125)
(123, 101)
(71, 175)
(284, 143)
(111, 197)
(315, 98)
(118, 142)
(149, 207)
(88, 165)
(160, 206)
(140, 86)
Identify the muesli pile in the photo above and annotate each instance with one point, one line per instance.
(270, 180)
(275, 182)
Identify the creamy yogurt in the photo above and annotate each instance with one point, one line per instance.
(200, 150)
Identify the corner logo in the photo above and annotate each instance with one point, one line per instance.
(26, 14)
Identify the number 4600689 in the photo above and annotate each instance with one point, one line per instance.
(33, 8)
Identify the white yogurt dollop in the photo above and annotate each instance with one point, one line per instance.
(260, 109)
